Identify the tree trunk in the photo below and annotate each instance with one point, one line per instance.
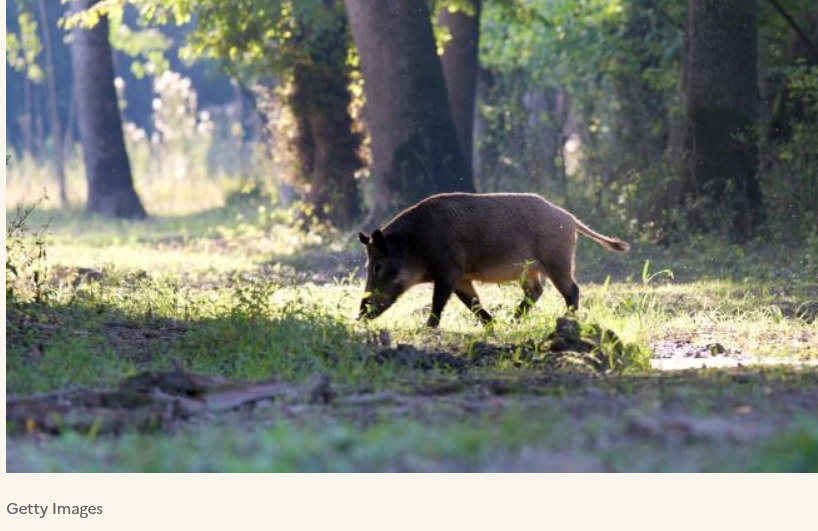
(37, 116)
(415, 149)
(26, 120)
(485, 157)
(327, 146)
(53, 112)
(547, 109)
(333, 189)
(68, 137)
(110, 187)
(722, 114)
(459, 63)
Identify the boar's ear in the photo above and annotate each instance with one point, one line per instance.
(364, 238)
(379, 241)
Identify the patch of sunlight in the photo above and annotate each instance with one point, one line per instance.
(151, 260)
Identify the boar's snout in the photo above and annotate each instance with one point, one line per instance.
(372, 306)
(362, 314)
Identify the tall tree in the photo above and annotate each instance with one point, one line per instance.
(415, 149)
(328, 147)
(305, 44)
(53, 111)
(110, 186)
(722, 113)
(460, 63)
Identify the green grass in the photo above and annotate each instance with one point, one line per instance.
(239, 292)
(517, 438)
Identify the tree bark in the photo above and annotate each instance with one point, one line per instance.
(26, 120)
(68, 136)
(333, 189)
(53, 112)
(327, 146)
(547, 109)
(415, 149)
(459, 63)
(37, 116)
(110, 186)
(722, 114)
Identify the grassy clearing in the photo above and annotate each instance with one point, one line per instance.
(238, 292)
(223, 292)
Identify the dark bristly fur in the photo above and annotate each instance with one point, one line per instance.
(456, 239)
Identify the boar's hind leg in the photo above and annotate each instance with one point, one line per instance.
(444, 286)
(561, 274)
(468, 295)
(532, 290)
(569, 291)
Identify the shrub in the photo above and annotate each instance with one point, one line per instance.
(25, 258)
(790, 183)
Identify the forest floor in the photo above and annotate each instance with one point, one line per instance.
(225, 341)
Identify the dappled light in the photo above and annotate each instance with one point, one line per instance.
(539, 235)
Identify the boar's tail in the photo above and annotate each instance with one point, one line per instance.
(613, 244)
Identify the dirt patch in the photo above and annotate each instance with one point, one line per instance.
(137, 341)
(424, 360)
(683, 418)
(35, 326)
(158, 401)
(144, 402)
(685, 428)
(684, 348)
(573, 346)
(683, 354)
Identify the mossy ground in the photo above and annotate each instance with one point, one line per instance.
(239, 292)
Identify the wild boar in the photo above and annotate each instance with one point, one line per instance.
(456, 239)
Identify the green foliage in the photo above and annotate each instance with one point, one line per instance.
(88, 18)
(790, 182)
(26, 255)
(252, 39)
(795, 451)
(616, 65)
(295, 53)
(145, 43)
(23, 50)
(576, 45)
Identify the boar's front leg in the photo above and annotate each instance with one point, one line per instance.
(468, 295)
(444, 286)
